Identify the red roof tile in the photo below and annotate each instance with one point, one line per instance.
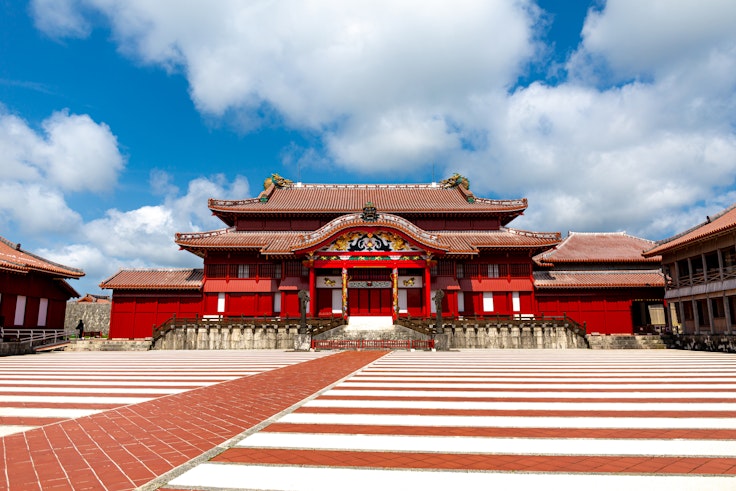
(712, 227)
(155, 279)
(598, 279)
(351, 198)
(616, 247)
(13, 258)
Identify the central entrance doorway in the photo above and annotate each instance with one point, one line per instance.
(369, 292)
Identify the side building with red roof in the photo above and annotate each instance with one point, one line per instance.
(700, 268)
(33, 290)
(601, 279)
(356, 250)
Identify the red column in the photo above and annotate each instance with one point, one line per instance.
(312, 292)
(427, 292)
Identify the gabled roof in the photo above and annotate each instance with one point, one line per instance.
(612, 247)
(724, 222)
(351, 198)
(13, 258)
(155, 279)
(598, 279)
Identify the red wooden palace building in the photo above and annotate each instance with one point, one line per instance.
(369, 250)
(33, 290)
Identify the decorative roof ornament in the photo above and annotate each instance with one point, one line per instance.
(454, 181)
(278, 181)
(369, 212)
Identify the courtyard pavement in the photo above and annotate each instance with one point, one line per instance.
(475, 419)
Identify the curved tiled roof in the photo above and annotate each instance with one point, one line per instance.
(155, 279)
(713, 226)
(278, 242)
(351, 198)
(229, 238)
(504, 238)
(612, 247)
(13, 258)
(355, 220)
(598, 279)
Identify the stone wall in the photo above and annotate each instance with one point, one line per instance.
(512, 336)
(233, 336)
(15, 348)
(457, 336)
(702, 342)
(96, 316)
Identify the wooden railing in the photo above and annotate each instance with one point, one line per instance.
(37, 336)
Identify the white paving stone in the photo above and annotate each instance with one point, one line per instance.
(226, 476)
(486, 445)
(509, 421)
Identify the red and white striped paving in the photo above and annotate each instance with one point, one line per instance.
(571, 419)
(45, 388)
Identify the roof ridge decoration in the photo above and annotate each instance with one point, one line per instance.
(202, 235)
(278, 181)
(454, 181)
(536, 235)
(370, 214)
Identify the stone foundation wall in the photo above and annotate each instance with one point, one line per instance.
(234, 336)
(702, 342)
(15, 348)
(497, 336)
(457, 336)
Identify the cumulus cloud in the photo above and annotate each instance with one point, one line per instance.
(71, 153)
(645, 39)
(385, 76)
(144, 237)
(640, 125)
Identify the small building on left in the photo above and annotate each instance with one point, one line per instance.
(33, 290)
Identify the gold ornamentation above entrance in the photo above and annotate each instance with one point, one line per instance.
(370, 242)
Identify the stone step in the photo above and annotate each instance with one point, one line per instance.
(625, 342)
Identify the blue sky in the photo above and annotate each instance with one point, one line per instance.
(118, 119)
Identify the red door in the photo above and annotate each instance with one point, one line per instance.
(369, 301)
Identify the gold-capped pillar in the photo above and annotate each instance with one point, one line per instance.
(428, 286)
(344, 293)
(395, 293)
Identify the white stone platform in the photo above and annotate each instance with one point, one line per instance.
(369, 323)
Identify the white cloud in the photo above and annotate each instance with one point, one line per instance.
(642, 129)
(59, 18)
(38, 169)
(73, 153)
(144, 237)
(394, 71)
(36, 209)
(648, 38)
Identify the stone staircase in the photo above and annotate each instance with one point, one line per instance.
(622, 341)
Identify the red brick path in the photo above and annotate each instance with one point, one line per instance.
(128, 447)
